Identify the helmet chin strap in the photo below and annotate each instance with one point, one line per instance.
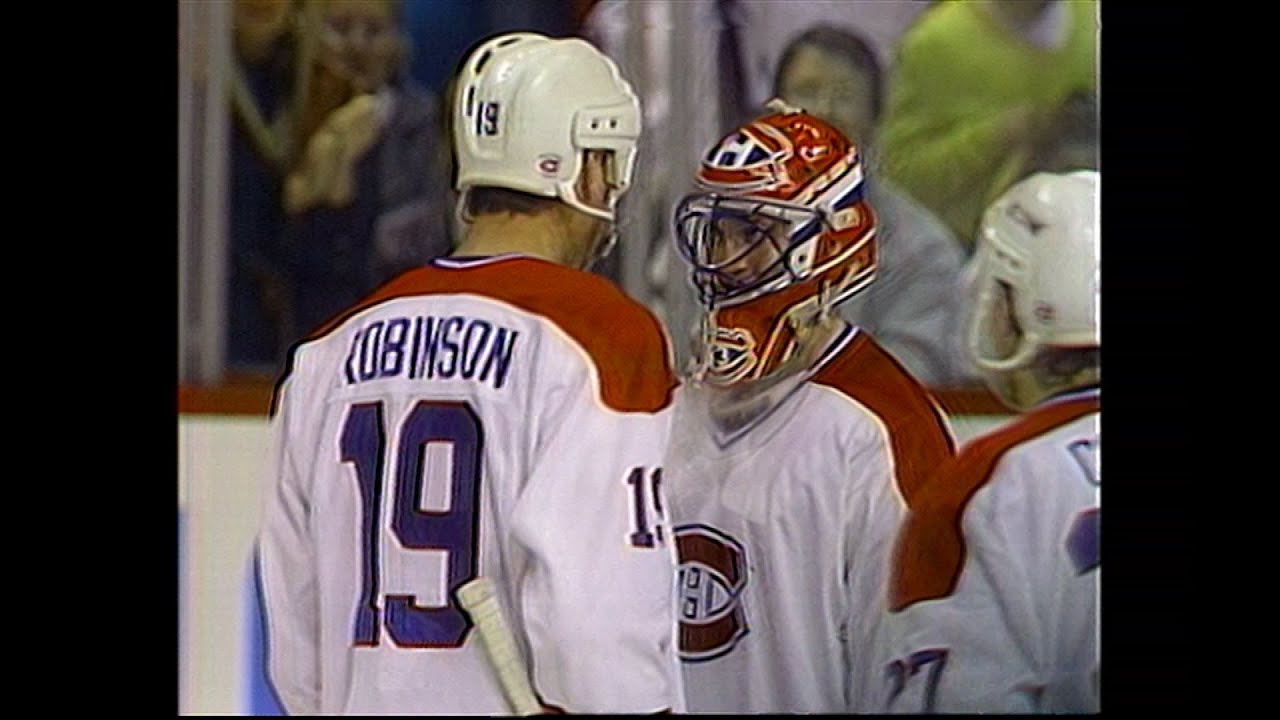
(569, 196)
(813, 312)
(603, 248)
(460, 210)
(701, 363)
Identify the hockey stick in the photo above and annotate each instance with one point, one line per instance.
(480, 600)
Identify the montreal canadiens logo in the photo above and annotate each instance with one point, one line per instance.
(549, 165)
(733, 354)
(713, 574)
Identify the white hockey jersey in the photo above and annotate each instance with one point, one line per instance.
(784, 532)
(504, 417)
(996, 576)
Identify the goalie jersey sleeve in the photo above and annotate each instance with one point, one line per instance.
(994, 593)
(504, 417)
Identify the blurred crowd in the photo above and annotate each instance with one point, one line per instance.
(341, 170)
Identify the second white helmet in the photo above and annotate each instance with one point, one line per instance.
(525, 108)
(1040, 239)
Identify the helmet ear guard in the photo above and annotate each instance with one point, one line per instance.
(979, 334)
(612, 127)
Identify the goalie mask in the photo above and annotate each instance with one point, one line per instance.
(780, 235)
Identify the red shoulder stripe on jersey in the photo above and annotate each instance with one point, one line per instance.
(623, 339)
(917, 428)
(929, 552)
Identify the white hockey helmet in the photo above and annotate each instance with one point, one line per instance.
(1041, 239)
(525, 108)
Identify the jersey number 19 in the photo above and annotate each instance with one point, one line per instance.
(453, 530)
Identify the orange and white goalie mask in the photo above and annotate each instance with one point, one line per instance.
(779, 235)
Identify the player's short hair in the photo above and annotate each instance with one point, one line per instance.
(483, 200)
(1066, 362)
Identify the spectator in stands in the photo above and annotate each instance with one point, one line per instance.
(366, 193)
(977, 91)
(910, 308)
(262, 81)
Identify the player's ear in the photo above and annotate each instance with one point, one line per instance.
(598, 177)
